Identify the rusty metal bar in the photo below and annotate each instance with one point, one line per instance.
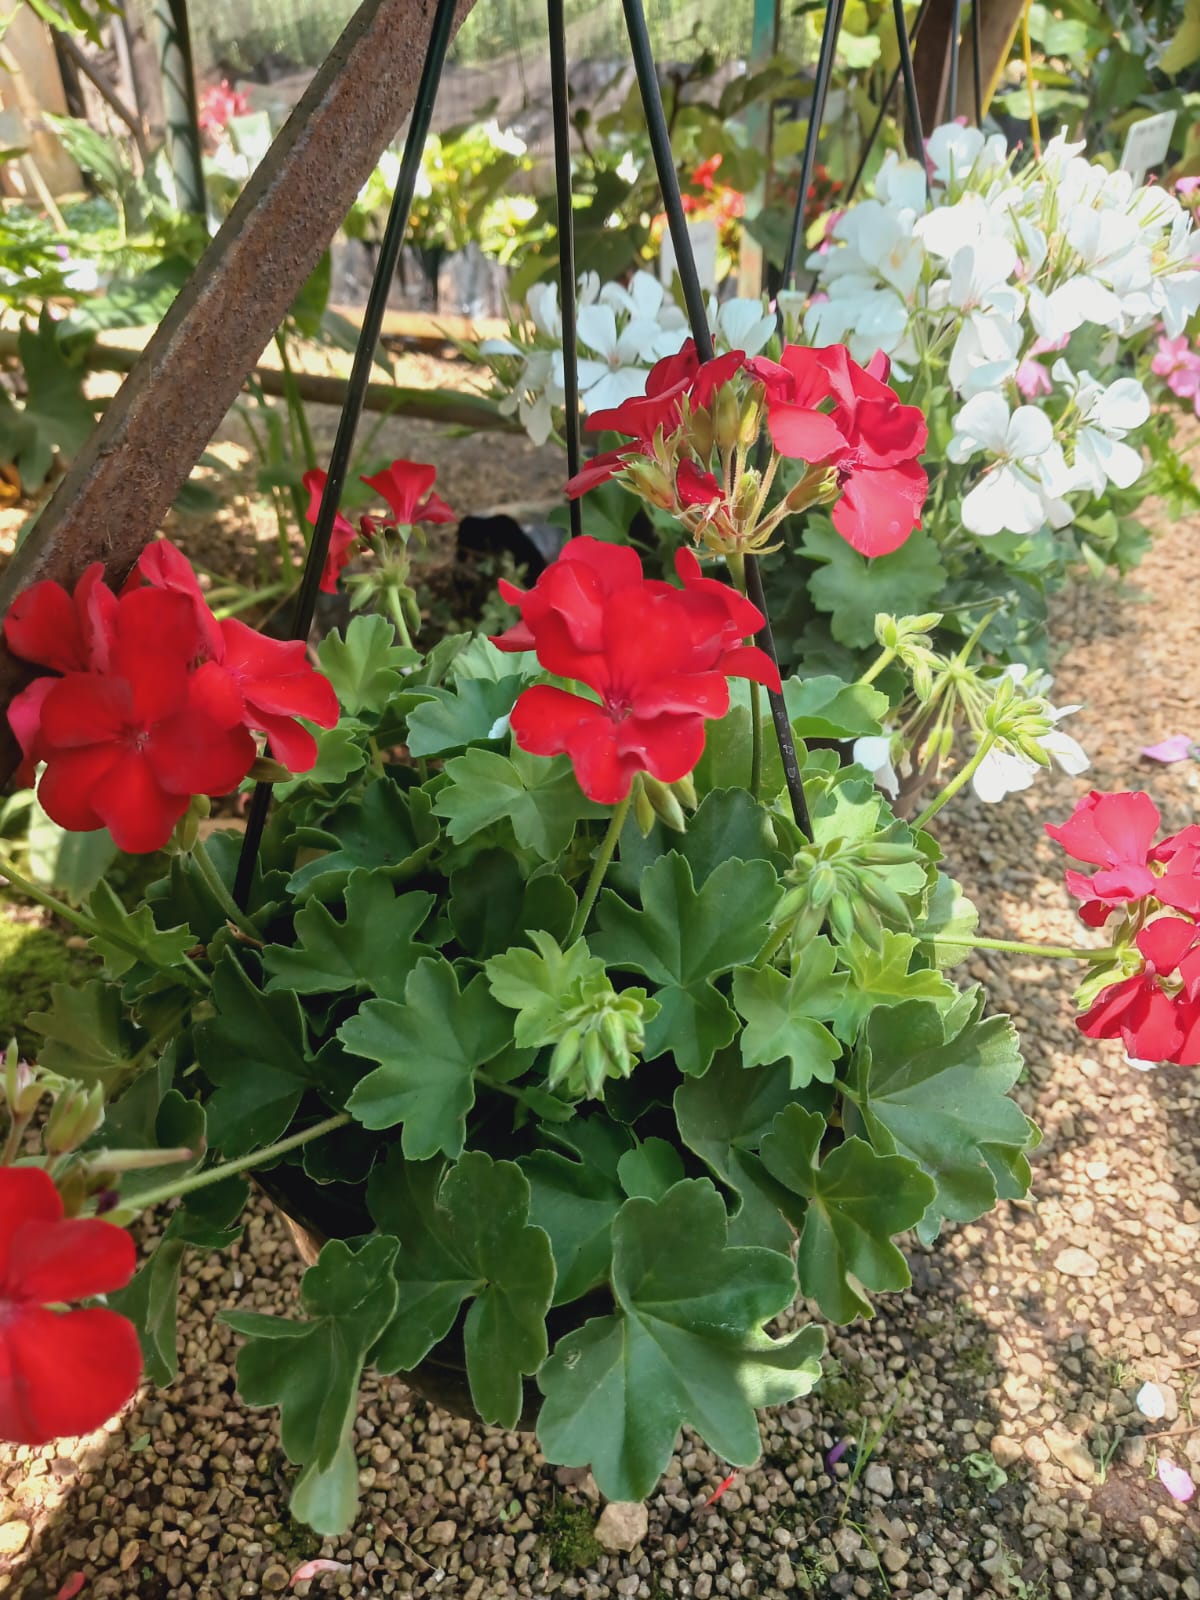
(119, 487)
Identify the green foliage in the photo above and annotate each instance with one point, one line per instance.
(464, 1234)
(854, 589)
(685, 1345)
(781, 1014)
(371, 948)
(932, 1084)
(856, 1201)
(34, 964)
(540, 799)
(428, 1049)
(683, 938)
(311, 1371)
(56, 416)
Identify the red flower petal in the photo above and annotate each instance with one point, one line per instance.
(276, 676)
(804, 435)
(288, 741)
(27, 1194)
(878, 510)
(190, 755)
(42, 626)
(133, 805)
(1109, 829)
(63, 1374)
(25, 715)
(67, 1259)
(1165, 941)
(67, 785)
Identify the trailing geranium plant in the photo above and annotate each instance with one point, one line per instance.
(582, 1028)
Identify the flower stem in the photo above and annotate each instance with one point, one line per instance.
(224, 899)
(396, 612)
(186, 971)
(599, 867)
(737, 569)
(964, 775)
(1060, 952)
(229, 1169)
(881, 663)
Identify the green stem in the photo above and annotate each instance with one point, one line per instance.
(229, 1169)
(224, 898)
(599, 867)
(12, 1144)
(294, 403)
(882, 662)
(186, 971)
(776, 941)
(1060, 952)
(737, 570)
(964, 775)
(396, 611)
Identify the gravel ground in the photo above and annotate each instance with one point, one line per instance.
(1017, 1352)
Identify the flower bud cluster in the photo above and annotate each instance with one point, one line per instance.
(602, 1034)
(844, 884)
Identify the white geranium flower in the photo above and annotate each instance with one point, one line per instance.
(742, 324)
(877, 243)
(969, 221)
(861, 316)
(1017, 492)
(624, 355)
(645, 300)
(542, 301)
(901, 183)
(978, 287)
(958, 154)
(537, 393)
(1106, 415)
(875, 754)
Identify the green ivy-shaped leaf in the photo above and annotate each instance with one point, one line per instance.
(464, 1234)
(723, 1118)
(726, 824)
(933, 1085)
(540, 798)
(372, 948)
(207, 1220)
(854, 589)
(429, 1048)
(311, 1371)
(856, 1201)
(683, 938)
(492, 906)
(87, 1037)
(475, 712)
(388, 829)
(781, 1014)
(883, 978)
(364, 665)
(129, 937)
(827, 708)
(575, 1201)
(686, 1346)
(255, 1051)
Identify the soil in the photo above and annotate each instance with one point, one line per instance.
(992, 1442)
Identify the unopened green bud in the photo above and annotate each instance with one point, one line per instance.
(727, 423)
(74, 1188)
(23, 1084)
(684, 790)
(615, 1037)
(840, 916)
(643, 811)
(265, 770)
(698, 430)
(187, 829)
(647, 479)
(595, 1063)
(879, 893)
(76, 1114)
(751, 424)
(664, 804)
(867, 924)
(566, 1053)
(822, 885)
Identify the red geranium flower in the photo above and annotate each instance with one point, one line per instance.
(341, 541)
(406, 486)
(1153, 1023)
(66, 633)
(657, 658)
(128, 749)
(868, 437)
(659, 409)
(1114, 832)
(61, 1373)
(248, 679)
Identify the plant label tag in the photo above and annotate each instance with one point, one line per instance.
(1146, 144)
(703, 234)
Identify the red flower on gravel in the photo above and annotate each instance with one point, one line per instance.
(868, 437)
(62, 1373)
(1115, 832)
(1154, 1024)
(656, 657)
